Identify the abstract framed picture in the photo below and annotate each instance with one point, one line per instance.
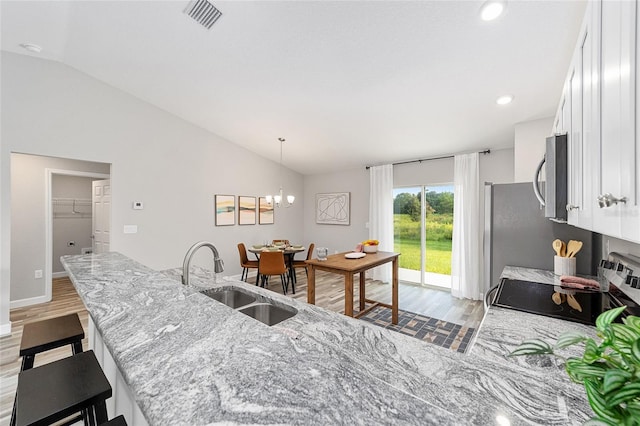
(265, 215)
(225, 210)
(333, 208)
(246, 210)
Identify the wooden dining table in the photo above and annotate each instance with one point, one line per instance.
(289, 253)
(339, 264)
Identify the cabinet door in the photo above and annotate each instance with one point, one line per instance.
(615, 166)
(631, 181)
(580, 134)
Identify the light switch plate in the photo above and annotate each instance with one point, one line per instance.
(138, 205)
(131, 229)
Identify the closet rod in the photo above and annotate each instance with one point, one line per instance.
(486, 151)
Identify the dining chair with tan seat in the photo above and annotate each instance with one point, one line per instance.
(280, 242)
(272, 263)
(303, 264)
(246, 263)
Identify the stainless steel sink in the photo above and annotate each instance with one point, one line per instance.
(232, 298)
(267, 313)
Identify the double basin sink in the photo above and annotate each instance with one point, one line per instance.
(247, 303)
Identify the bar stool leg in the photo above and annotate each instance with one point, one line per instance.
(101, 412)
(27, 362)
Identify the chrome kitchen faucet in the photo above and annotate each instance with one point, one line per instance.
(217, 262)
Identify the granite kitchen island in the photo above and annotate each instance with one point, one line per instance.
(188, 359)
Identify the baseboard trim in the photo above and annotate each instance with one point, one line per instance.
(21, 303)
(59, 274)
(5, 329)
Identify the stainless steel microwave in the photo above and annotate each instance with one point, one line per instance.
(555, 188)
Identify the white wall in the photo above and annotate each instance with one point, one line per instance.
(337, 237)
(174, 167)
(496, 167)
(529, 146)
(67, 225)
(28, 250)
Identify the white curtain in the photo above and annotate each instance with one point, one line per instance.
(466, 266)
(381, 214)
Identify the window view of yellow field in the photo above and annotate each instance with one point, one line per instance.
(438, 227)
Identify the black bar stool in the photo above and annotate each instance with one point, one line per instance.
(116, 421)
(54, 391)
(42, 336)
(49, 334)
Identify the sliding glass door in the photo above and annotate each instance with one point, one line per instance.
(423, 228)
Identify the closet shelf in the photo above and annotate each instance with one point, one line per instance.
(71, 208)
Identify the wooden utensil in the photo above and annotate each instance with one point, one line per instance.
(557, 246)
(573, 248)
(563, 250)
(571, 300)
(557, 299)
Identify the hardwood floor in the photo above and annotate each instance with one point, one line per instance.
(329, 294)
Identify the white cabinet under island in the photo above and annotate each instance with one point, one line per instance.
(188, 359)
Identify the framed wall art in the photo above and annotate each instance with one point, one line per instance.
(246, 210)
(265, 215)
(333, 208)
(225, 210)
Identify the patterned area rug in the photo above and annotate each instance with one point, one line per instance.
(431, 330)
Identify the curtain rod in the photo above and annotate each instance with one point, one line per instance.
(486, 151)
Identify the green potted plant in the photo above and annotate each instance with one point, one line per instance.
(609, 371)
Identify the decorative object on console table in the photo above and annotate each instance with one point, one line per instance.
(333, 208)
(225, 210)
(246, 210)
(609, 371)
(265, 212)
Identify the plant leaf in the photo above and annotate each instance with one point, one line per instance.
(607, 317)
(614, 379)
(592, 352)
(625, 333)
(579, 370)
(532, 347)
(598, 403)
(569, 338)
(635, 351)
(632, 321)
(633, 408)
(626, 393)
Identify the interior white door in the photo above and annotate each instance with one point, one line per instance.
(101, 202)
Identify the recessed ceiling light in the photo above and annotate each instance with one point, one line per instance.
(491, 9)
(31, 47)
(504, 100)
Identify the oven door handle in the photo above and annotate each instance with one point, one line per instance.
(488, 298)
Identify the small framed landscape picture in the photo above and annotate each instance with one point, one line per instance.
(246, 210)
(265, 215)
(225, 210)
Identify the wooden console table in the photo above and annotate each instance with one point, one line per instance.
(338, 264)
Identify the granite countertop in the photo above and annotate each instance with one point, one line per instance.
(191, 360)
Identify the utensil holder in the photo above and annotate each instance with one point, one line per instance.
(564, 265)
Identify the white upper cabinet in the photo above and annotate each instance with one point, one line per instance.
(598, 111)
(576, 111)
(616, 162)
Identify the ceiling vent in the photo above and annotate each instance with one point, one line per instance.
(203, 12)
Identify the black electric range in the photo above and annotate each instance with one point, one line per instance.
(536, 298)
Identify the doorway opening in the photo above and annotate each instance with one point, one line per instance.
(70, 227)
(36, 202)
(423, 230)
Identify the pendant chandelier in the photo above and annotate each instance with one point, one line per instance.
(277, 199)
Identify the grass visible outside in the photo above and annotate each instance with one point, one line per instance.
(439, 229)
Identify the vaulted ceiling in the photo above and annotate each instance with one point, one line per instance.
(346, 83)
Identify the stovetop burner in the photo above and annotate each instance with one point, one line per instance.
(581, 306)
